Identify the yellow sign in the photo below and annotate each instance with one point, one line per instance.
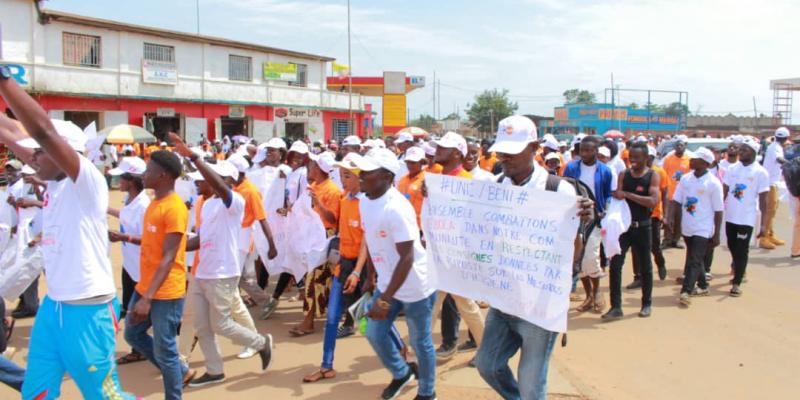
(280, 72)
(394, 110)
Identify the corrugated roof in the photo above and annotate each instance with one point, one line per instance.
(52, 15)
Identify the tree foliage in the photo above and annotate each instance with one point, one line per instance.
(579, 96)
(425, 121)
(490, 107)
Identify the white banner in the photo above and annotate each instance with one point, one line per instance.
(507, 245)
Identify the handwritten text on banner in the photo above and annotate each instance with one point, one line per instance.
(507, 245)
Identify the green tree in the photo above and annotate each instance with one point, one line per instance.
(676, 109)
(579, 96)
(490, 107)
(424, 121)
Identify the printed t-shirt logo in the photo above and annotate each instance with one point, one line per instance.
(382, 233)
(738, 191)
(691, 205)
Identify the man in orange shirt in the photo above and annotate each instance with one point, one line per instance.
(410, 185)
(325, 198)
(675, 165)
(487, 159)
(158, 299)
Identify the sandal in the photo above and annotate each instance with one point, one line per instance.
(322, 374)
(299, 332)
(597, 308)
(584, 307)
(130, 358)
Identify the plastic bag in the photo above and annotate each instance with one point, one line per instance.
(26, 268)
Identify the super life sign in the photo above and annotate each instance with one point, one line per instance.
(507, 245)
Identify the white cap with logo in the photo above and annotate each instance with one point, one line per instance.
(782, 132)
(299, 147)
(379, 158)
(415, 154)
(351, 140)
(452, 140)
(129, 165)
(325, 161)
(403, 137)
(514, 134)
(702, 154)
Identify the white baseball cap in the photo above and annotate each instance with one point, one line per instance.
(129, 165)
(378, 158)
(162, 144)
(239, 162)
(429, 149)
(651, 151)
(514, 134)
(374, 144)
(703, 154)
(16, 164)
(682, 138)
(299, 147)
(350, 161)
(551, 142)
(551, 156)
(782, 132)
(751, 142)
(275, 143)
(403, 137)
(452, 140)
(226, 169)
(604, 151)
(351, 140)
(325, 161)
(70, 132)
(415, 154)
(738, 139)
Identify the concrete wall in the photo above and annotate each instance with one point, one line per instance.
(202, 68)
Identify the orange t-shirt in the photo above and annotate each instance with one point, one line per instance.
(434, 168)
(411, 188)
(626, 157)
(329, 196)
(658, 212)
(675, 167)
(351, 233)
(219, 156)
(164, 216)
(253, 203)
(487, 163)
(149, 150)
(460, 172)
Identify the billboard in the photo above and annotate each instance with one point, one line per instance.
(159, 72)
(394, 112)
(274, 71)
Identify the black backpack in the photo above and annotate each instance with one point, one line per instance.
(791, 174)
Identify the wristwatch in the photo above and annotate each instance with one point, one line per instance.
(383, 304)
(5, 72)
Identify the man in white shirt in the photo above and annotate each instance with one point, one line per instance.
(699, 197)
(745, 188)
(75, 328)
(505, 334)
(773, 160)
(403, 282)
(215, 289)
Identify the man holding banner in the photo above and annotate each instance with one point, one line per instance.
(520, 242)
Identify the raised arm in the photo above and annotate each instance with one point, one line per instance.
(35, 120)
(216, 182)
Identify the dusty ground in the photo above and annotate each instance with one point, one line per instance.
(720, 348)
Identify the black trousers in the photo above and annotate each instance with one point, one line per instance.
(128, 286)
(283, 282)
(655, 248)
(697, 249)
(638, 240)
(739, 244)
(29, 299)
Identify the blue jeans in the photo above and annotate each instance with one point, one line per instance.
(161, 348)
(418, 317)
(504, 335)
(11, 374)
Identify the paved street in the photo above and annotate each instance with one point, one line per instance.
(720, 348)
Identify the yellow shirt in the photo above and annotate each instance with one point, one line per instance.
(164, 216)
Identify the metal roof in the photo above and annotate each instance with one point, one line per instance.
(52, 15)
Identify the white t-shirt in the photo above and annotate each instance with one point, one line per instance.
(774, 151)
(744, 183)
(131, 222)
(700, 198)
(219, 238)
(539, 181)
(587, 174)
(75, 237)
(724, 165)
(480, 174)
(389, 220)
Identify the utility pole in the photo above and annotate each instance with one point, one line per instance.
(349, 77)
(491, 119)
(433, 86)
(755, 117)
(439, 100)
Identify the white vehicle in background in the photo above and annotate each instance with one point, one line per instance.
(692, 144)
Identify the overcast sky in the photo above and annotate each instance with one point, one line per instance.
(722, 52)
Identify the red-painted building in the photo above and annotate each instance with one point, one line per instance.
(86, 69)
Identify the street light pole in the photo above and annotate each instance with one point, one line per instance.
(349, 76)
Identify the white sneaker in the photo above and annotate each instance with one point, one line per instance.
(247, 353)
